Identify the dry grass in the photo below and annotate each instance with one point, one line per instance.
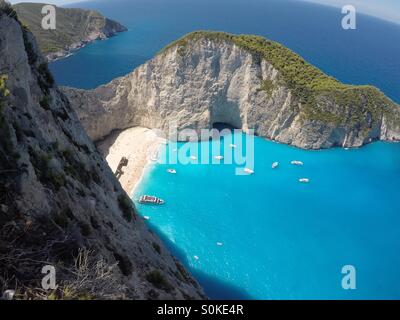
(81, 273)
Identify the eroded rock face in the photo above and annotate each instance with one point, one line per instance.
(217, 81)
(57, 192)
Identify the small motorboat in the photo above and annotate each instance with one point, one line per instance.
(304, 180)
(233, 146)
(171, 171)
(150, 200)
(193, 157)
(220, 244)
(297, 163)
(275, 165)
(248, 171)
(146, 217)
(196, 257)
(219, 157)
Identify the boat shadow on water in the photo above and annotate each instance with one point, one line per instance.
(215, 289)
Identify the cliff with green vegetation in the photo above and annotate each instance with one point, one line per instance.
(246, 81)
(74, 28)
(60, 204)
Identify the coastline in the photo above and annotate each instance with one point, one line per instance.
(138, 145)
(57, 55)
(74, 47)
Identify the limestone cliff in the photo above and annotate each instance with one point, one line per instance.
(246, 81)
(60, 204)
(74, 28)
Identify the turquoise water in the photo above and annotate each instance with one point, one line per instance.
(283, 239)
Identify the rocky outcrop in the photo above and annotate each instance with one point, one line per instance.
(59, 198)
(245, 81)
(74, 28)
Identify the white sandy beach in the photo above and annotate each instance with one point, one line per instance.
(138, 145)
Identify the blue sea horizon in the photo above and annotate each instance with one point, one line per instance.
(281, 239)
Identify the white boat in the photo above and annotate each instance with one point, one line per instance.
(249, 171)
(150, 200)
(297, 163)
(193, 157)
(233, 145)
(275, 165)
(196, 257)
(146, 217)
(220, 244)
(304, 180)
(172, 171)
(219, 157)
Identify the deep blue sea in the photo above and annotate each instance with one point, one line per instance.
(281, 239)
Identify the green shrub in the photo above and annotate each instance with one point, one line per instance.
(4, 92)
(61, 220)
(156, 247)
(6, 8)
(76, 169)
(46, 175)
(46, 74)
(18, 131)
(56, 179)
(86, 230)
(158, 280)
(67, 155)
(125, 204)
(45, 102)
(182, 272)
(268, 86)
(30, 51)
(3, 88)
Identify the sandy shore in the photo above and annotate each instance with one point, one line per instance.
(137, 144)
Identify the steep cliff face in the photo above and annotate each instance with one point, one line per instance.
(74, 28)
(245, 81)
(60, 204)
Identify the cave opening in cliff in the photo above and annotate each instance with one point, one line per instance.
(220, 129)
(220, 126)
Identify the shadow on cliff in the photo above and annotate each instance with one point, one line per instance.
(214, 288)
(104, 145)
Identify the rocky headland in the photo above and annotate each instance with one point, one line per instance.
(246, 81)
(75, 28)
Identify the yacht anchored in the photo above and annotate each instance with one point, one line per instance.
(172, 171)
(275, 165)
(304, 180)
(150, 200)
(297, 163)
(249, 171)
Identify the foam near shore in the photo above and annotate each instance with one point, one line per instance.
(138, 145)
